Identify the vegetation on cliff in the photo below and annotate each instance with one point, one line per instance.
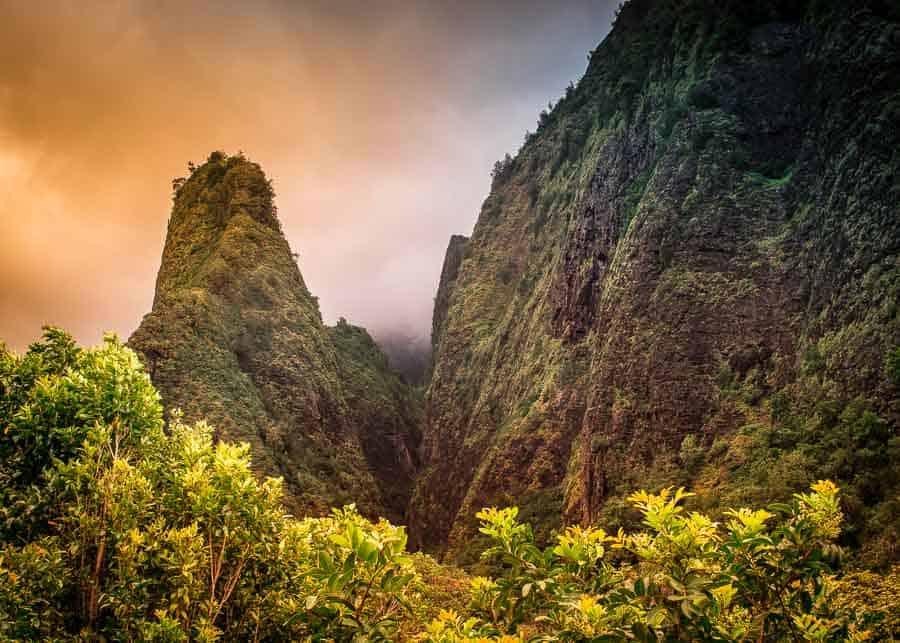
(235, 336)
(118, 526)
(688, 275)
(386, 412)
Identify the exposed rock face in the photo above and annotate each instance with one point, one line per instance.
(453, 258)
(689, 274)
(235, 337)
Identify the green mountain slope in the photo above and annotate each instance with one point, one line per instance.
(690, 274)
(235, 336)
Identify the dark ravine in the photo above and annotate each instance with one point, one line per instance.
(235, 337)
(689, 275)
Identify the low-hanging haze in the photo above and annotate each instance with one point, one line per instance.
(378, 122)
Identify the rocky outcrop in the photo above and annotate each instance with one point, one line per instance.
(453, 258)
(235, 337)
(688, 275)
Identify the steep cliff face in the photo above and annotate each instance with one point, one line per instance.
(453, 258)
(689, 275)
(235, 336)
(386, 412)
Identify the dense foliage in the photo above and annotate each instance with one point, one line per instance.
(762, 577)
(113, 527)
(119, 527)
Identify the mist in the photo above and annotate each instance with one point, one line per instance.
(377, 122)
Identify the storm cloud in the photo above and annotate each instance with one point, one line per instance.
(378, 123)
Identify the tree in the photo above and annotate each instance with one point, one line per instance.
(117, 529)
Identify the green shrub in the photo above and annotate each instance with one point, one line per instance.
(874, 597)
(116, 530)
(691, 454)
(761, 576)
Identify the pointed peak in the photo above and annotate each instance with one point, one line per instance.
(221, 187)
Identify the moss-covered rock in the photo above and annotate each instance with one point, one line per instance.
(456, 251)
(717, 197)
(235, 336)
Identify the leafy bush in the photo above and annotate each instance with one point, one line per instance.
(51, 400)
(691, 454)
(761, 576)
(115, 529)
(502, 169)
(872, 596)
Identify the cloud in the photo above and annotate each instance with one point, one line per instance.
(378, 123)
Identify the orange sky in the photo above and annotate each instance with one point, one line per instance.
(378, 122)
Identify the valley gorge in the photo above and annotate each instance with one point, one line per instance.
(658, 395)
(687, 275)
